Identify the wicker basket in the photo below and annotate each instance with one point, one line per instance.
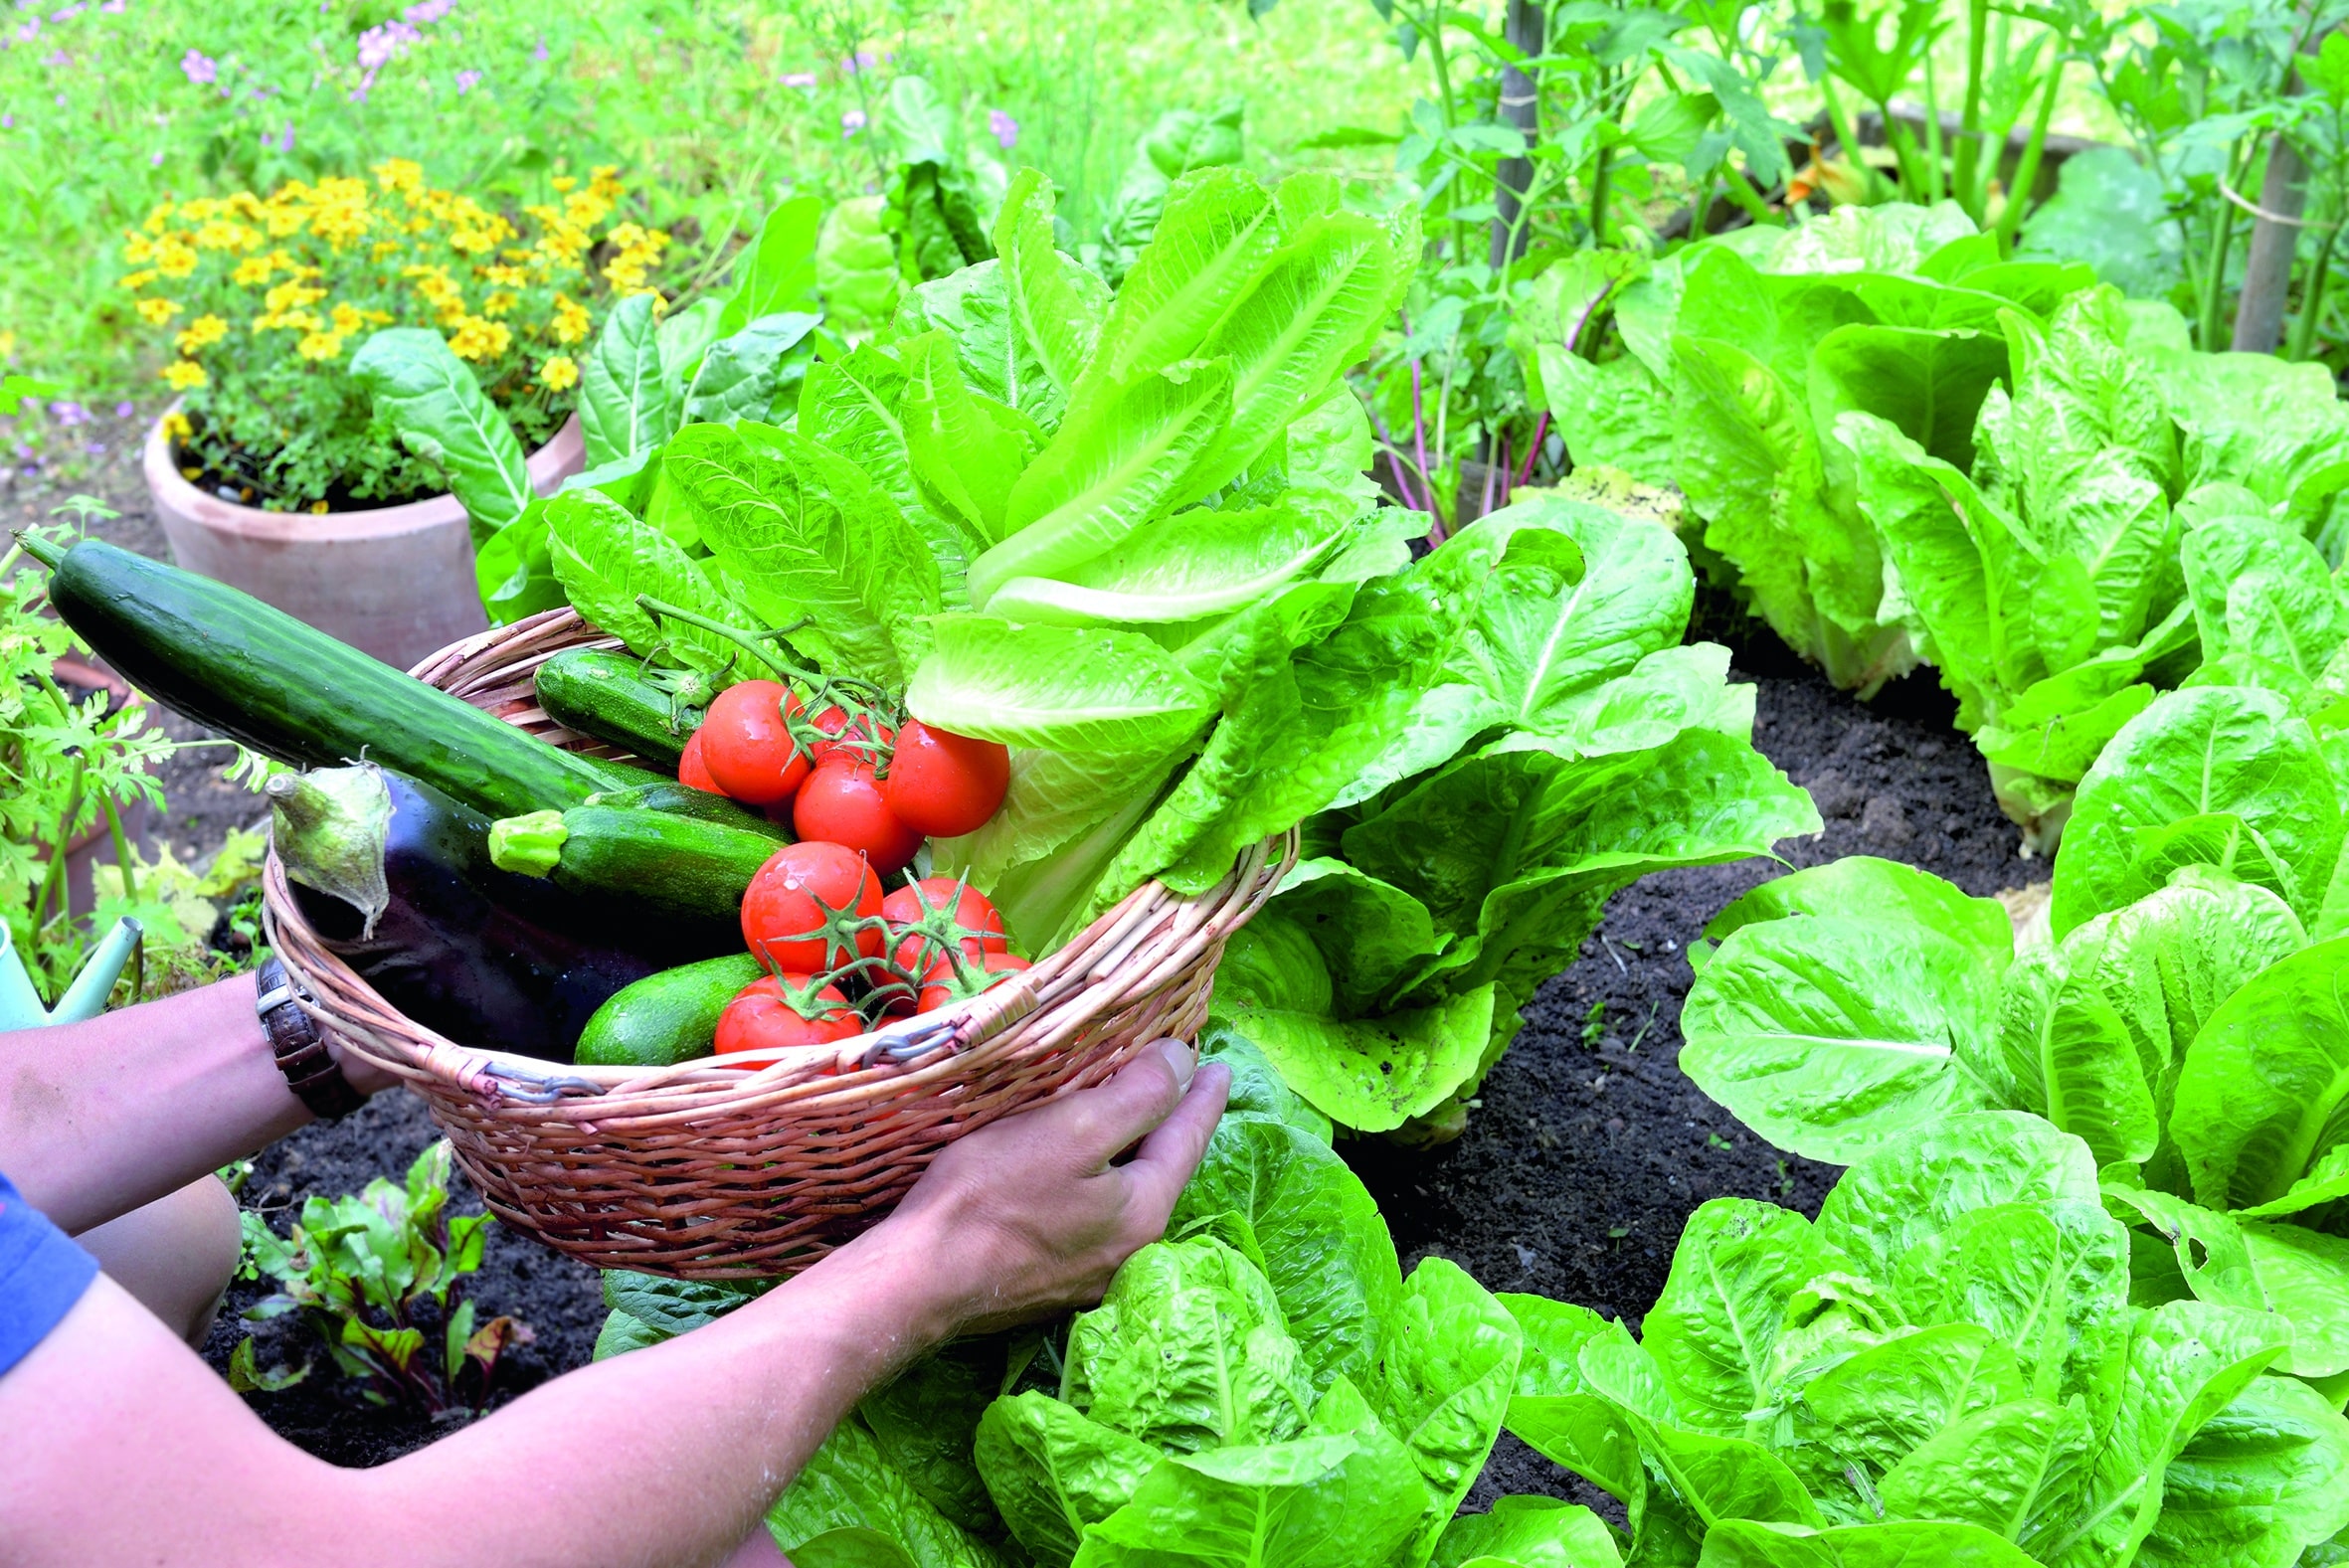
(705, 1170)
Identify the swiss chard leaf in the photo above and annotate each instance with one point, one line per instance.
(433, 401)
(628, 399)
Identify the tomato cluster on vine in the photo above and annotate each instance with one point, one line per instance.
(856, 772)
(841, 957)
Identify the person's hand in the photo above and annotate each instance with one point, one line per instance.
(1028, 1215)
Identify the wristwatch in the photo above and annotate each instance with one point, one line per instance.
(302, 1054)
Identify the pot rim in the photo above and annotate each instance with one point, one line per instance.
(547, 466)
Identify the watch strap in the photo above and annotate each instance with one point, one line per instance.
(301, 1050)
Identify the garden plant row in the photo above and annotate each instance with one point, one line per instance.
(1047, 589)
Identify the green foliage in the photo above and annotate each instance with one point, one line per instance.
(71, 768)
(1948, 1366)
(380, 1275)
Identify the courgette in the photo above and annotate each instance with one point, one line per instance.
(667, 794)
(292, 693)
(668, 1018)
(606, 695)
(642, 866)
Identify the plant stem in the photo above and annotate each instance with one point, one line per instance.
(2009, 216)
(1601, 178)
(1936, 154)
(121, 847)
(55, 878)
(2214, 283)
(1968, 152)
(2312, 299)
(1846, 138)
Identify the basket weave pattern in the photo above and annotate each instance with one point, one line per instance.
(708, 1172)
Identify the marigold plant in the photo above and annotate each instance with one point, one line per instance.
(265, 299)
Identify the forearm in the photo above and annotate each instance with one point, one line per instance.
(671, 1454)
(99, 1118)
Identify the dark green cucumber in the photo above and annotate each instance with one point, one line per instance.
(605, 695)
(667, 794)
(687, 874)
(290, 692)
(668, 1018)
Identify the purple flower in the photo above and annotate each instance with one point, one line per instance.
(60, 58)
(155, 159)
(380, 46)
(799, 78)
(94, 448)
(30, 31)
(69, 414)
(540, 52)
(283, 143)
(115, 7)
(862, 60)
(66, 13)
(7, 122)
(124, 410)
(851, 122)
(425, 12)
(61, 101)
(1004, 127)
(202, 70)
(466, 80)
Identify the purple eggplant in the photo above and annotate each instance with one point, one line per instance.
(395, 878)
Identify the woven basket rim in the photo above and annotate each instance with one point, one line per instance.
(900, 1051)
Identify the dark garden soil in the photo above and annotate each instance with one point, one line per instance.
(1583, 1160)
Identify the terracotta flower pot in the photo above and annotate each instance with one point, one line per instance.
(396, 581)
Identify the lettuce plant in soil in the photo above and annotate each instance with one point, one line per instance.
(1903, 447)
(1948, 1367)
(2182, 1018)
(1570, 745)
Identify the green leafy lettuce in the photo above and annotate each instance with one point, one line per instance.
(1951, 1366)
(1738, 356)
(1566, 744)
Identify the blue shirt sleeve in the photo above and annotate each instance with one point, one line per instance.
(42, 1275)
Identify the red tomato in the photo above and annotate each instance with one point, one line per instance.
(938, 912)
(692, 772)
(798, 905)
(941, 984)
(944, 785)
(747, 747)
(840, 804)
(834, 721)
(769, 1013)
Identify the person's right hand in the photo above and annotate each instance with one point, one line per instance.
(1028, 1215)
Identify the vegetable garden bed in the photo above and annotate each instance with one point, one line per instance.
(1576, 1173)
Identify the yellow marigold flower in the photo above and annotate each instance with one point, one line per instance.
(292, 295)
(7, 346)
(319, 345)
(250, 272)
(479, 339)
(202, 332)
(499, 302)
(138, 279)
(559, 374)
(572, 320)
(603, 180)
(176, 425)
(400, 174)
(157, 311)
(319, 508)
(284, 221)
(158, 218)
(347, 319)
(184, 375)
(564, 182)
(175, 257)
(380, 318)
(138, 250)
(507, 277)
(217, 234)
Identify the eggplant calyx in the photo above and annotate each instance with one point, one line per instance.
(330, 827)
(531, 845)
